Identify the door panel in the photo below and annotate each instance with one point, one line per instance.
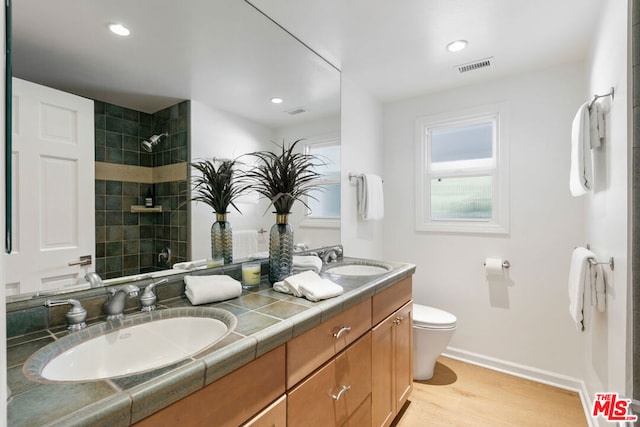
(53, 190)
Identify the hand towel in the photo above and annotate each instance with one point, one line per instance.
(189, 265)
(596, 125)
(598, 287)
(206, 289)
(370, 197)
(306, 262)
(245, 243)
(309, 285)
(582, 275)
(259, 255)
(581, 171)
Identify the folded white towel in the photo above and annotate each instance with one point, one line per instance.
(370, 197)
(596, 125)
(309, 285)
(306, 262)
(581, 171)
(577, 277)
(245, 243)
(189, 265)
(259, 255)
(598, 287)
(206, 289)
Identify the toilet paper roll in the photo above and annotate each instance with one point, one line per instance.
(493, 266)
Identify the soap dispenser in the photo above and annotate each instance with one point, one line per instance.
(148, 200)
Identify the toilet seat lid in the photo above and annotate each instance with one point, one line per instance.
(429, 317)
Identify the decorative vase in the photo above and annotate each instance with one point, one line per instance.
(222, 239)
(280, 249)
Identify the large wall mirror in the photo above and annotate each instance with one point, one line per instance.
(196, 79)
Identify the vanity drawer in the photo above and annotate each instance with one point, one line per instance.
(335, 392)
(391, 299)
(310, 350)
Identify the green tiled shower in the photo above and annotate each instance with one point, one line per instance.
(129, 243)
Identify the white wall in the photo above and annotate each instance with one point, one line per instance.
(215, 133)
(523, 320)
(607, 344)
(361, 152)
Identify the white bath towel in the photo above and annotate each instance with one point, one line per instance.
(259, 255)
(245, 243)
(598, 287)
(370, 197)
(306, 262)
(190, 265)
(309, 285)
(581, 171)
(596, 125)
(206, 289)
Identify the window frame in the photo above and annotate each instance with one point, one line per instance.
(318, 221)
(497, 168)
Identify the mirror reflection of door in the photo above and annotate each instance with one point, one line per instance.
(53, 176)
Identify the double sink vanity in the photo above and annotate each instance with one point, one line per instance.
(264, 358)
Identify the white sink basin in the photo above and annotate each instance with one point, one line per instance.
(137, 348)
(359, 270)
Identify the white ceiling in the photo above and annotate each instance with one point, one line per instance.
(396, 48)
(179, 49)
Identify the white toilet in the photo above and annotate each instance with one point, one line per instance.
(432, 331)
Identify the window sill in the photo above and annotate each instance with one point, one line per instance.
(464, 227)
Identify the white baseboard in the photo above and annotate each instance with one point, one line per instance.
(530, 373)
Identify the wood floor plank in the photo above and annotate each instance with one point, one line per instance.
(462, 394)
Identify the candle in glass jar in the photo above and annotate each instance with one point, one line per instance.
(251, 273)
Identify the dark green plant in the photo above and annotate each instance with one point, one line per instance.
(284, 177)
(216, 187)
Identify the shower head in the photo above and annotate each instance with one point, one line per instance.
(152, 141)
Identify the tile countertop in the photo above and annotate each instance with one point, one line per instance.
(266, 320)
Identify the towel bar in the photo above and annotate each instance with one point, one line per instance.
(357, 176)
(595, 97)
(611, 263)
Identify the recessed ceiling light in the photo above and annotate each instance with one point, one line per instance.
(276, 100)
(119, 29)
(457, 45)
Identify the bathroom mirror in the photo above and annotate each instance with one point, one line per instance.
(203, 71)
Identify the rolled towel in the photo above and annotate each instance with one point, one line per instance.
(189, 265)
(306, 262)
(206, 289)
(259, 255)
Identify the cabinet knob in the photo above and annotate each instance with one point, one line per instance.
(341, 392)
(399, 320)
(342, 330)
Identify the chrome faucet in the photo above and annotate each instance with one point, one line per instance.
(76, 317)
(148, 298)
(94, 280)
(331, 254)
(114, 307)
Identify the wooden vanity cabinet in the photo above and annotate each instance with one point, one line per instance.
(336, 392)
(231, 400)
(275, 415)
(392, 354)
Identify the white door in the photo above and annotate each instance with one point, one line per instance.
(53, 189)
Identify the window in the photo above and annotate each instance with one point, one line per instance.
(462, 171)
(325, 203)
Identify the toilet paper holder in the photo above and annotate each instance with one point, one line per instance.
(505, 264)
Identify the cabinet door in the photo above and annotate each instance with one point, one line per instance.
(382, 378)
(403, 336)
(275, 415)
(336, 391)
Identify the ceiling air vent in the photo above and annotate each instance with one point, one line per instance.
(476, 65)
(294, 111)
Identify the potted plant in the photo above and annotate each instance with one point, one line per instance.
(217, 188)
(283, 177)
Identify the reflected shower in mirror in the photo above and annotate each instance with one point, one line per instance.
(207, 95)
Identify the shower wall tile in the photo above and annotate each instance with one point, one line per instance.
(128, 243)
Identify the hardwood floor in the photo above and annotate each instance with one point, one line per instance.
(461, 394)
